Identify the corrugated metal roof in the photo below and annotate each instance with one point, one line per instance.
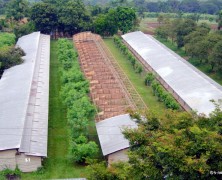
(110, 133)
(195, 88)
(24, 98)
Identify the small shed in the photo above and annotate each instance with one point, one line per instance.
(113, 143)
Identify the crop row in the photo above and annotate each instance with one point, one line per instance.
(80, 111)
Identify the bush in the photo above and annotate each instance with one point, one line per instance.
(6, 39)
(10, 56)
(81, 149)
(136, 66)
(149, 79)
(10, 174)
(162, 95)
(74, 95)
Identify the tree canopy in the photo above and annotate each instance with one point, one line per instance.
(173, 146)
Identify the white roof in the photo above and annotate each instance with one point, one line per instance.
(195, 88)
(110, 133)
(24, 91)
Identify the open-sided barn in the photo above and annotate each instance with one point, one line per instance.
(24, 93)
(192, 89)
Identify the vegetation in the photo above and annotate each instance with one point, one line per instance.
(161, 93)
(136, 79)
(10, 174)
(121, 18)
(174, 146)
(196, 42)
(57, 165)
(9, 55)
(79, 108)
(123, 48)
(6, 39)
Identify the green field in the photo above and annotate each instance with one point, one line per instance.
(56, 165)
(137, 80)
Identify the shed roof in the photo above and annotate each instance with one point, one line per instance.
(24, 98)
(194, 87)
(110, 133)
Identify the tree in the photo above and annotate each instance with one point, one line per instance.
(173, 146)
(125, 18)
(184, 28)
(72, 17)
(216, 56)
(44, 17)
(81, 149)
(105, 25)
(17, 9)
(219, 20)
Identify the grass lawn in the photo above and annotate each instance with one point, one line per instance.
(136, 79)
(202, 67)
(56, 165)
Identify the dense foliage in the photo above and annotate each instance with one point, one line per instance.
(7, 39)
(80, 110)
(174, 146)
(161, 93)
(123, 48)
(177, 6)
(9, 55)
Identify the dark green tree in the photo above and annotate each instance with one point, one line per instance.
(73, 17)
(17, 9)
(44, 17)
(125, 17)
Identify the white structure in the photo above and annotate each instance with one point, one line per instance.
(112, 141)
(24, 94)
(190, 87)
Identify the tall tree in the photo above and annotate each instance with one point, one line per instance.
(219, 20)
(174, 146)
(44, 16)
(17, 9)
(73, 17)
(125, 18)
(216, 56)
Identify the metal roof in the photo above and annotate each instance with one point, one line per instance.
(194, 87)
(110, 133)
(24, 93)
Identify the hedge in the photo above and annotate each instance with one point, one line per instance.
(161, 93)
(80, 110)
(123, 48)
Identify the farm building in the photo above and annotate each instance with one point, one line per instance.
(24, 93)
(190, 87)
(113, 143)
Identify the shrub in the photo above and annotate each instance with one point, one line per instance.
(149, 79)
(74, 95)
(81, 149)
(136, 66)
(7, 39)
(10, 56)
(163, 96)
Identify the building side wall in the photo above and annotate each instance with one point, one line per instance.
(7, 159)
(28, 163)
(118, 156)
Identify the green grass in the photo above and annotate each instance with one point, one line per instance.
(56, 164)
(217, 76)
(136, 79)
